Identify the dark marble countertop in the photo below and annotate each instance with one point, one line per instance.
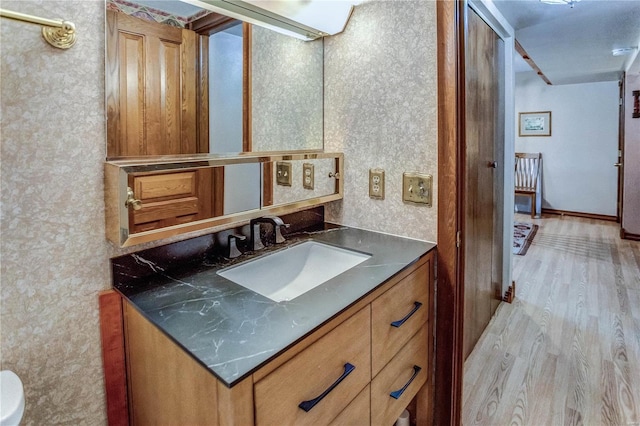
(233, 331)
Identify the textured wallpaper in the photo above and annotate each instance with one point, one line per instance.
(286, 92)
(53, 250)
(381, 111)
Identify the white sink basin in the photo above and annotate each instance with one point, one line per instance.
(290, 272)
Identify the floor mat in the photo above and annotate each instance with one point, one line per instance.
(523, 234)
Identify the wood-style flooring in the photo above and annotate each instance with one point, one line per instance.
(567, 351)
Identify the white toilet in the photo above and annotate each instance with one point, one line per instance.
(11, 399)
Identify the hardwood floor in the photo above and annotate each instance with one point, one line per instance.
(567, 351)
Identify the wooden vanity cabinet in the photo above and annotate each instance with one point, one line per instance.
(167, 386)
(312, 371)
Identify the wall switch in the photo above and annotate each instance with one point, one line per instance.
(376, 184)
(417, 188)
(283, 173)
(307, 176)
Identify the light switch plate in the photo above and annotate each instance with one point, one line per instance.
(307, 176)
(376, 184)
(417, 188)
(283, 173)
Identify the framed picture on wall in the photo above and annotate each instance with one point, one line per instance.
(535, 123)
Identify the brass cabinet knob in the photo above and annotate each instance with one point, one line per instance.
(131, 200)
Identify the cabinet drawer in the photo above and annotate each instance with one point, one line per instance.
(384, 408)
(314, 370)
(394, 305)
(357, 413)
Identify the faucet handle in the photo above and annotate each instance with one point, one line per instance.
(256, 240)
(278, 232)
(232, 239)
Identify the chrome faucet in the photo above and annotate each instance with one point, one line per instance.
(254, 224)
(232, 245)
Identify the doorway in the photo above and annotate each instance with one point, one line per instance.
(452, 19)
(483, 177)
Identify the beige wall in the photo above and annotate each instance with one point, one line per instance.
(380, 110)
(53, 251)
(631, 201)
(577, 159)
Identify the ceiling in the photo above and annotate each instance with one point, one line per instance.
(573, 45)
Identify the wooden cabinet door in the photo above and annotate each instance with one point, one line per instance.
(483, 178)
(391, 307)
(312, 372)
(171, 198)
(151, 88)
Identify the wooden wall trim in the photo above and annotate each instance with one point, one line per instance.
(202, 76)
(622, 84)
(580, 214)
(629, 236)
(531, 63)
(212, 23)
(113, 358)
(218, 191)
(267, 183)
(450, 294)
(247, 107)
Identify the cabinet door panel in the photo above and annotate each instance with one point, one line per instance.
(385, 409)
(357, 413)
(166, 385)
(171, 199)
(312, 371)
(394, 305)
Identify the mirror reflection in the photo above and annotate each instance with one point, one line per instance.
(153, 199)
(310, 179)
(182, 80)
(172, 197)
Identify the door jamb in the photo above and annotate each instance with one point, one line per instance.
(450, 288)
(451, 33)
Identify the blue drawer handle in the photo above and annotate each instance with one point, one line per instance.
(402, 321)
(308, 405)
(397, 394)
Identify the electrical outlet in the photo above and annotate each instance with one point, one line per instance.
(417, 188)
(376, 184)
(283, 173)
(307, 176)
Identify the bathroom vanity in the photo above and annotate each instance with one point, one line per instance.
(356, 349)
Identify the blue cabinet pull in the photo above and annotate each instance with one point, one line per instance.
(397, 394)
(413, 311)
(308, 405)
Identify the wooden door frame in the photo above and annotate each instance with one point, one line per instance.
(451, 39)
(621, 124)
(451, 136)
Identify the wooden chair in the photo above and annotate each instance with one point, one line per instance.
(527, 177)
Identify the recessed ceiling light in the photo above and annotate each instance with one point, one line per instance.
(623, 51)
(569, 2)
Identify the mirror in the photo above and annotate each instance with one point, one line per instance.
(152, 200)
(318, 181)
(215, 87)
